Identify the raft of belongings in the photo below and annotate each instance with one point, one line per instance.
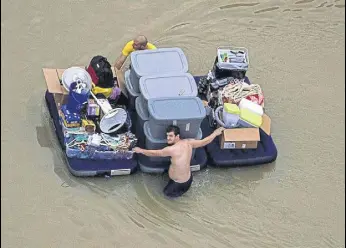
(236, 104)
(94, 126)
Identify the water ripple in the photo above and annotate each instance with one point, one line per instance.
(237, 5)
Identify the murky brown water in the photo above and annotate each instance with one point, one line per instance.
(297, 51)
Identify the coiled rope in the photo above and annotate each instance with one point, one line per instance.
(235, 92)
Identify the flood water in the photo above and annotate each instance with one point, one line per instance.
(297, 51)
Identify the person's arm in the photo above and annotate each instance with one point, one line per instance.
(203, 142)
(165, 152)
(120, 61)
(124, 54)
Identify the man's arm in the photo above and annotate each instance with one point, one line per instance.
(124, 53)
(165, 152)
(120, 61)
(203, 142)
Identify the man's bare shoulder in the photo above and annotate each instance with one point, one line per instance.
(186, 143)
(177, 147)
(190, 141)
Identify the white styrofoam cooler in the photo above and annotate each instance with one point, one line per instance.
(185, 112)
(253, 107)
(156, 61)
(168, 85)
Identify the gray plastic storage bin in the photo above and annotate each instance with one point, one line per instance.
(157, 61)
(185, 112)
(132, 95)
(156, 144)
(168, 85)
(142, 115)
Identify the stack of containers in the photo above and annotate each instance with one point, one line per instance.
(151, 63)
(163, 93)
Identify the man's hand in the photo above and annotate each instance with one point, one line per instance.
(137, 150)
(206, 140)
(219, 131)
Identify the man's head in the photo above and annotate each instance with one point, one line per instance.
(140, 42)
(173, 134)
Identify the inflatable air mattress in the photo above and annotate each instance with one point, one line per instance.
(84, 167)
(266, 151)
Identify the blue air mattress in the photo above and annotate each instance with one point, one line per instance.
(266, 151)
(83, 167)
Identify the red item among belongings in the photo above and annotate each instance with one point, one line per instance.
(256, 98)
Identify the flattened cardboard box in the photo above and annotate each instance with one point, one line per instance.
(54, 86)
(266, 124)
(240, 138)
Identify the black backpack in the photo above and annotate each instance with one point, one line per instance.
(101, 72)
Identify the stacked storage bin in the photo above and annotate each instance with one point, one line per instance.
(167, 85)
(163, 93)
(231, 62)
(152, 62)
(185, 112)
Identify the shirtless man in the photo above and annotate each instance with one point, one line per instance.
(180, 151)
(139, 43)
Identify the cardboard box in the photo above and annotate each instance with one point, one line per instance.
(53, 79)
(240, 138)
(54, 85)
(266, 124)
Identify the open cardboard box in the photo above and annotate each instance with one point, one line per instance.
(244, 138)
(266, 124)
(240, 138)
(60, 94)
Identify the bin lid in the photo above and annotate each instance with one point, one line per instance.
(176, 108)
(130, 88)
(142, 108)
(159, 61)
(168, 85)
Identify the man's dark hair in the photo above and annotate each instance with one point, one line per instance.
(174, 129)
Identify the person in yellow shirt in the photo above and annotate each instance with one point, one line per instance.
(139, 43)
